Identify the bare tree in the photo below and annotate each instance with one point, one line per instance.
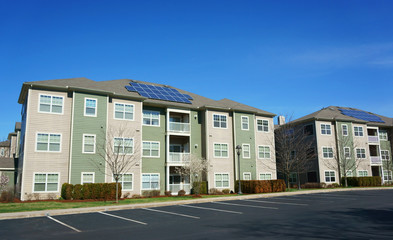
(196, 168)
(118, 150)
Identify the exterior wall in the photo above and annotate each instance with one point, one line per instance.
(45, 162)
(11, 178)
(6, 152)
(196, 134)
(362, 142)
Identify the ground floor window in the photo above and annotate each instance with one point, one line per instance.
(293, 177)
(265, 176)
(150, 181)
(87, 177)
(126, 181)
(330, 176)
(349, 173)
(221, 180)
(362, 173)
(387, 175)
(246, 176)
(46, 182)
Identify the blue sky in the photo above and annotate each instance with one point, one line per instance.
(286, 57)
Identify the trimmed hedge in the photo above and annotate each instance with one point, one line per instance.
(363, 181)
(202, 190)
(262, 186)
(106, 191)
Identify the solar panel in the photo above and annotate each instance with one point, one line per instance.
(160, 93)
(361, 115)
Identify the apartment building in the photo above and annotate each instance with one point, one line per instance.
(361, 141)
(66, 122)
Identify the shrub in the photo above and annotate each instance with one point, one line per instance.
(136, 196)
(126, 195)
(181, 193)
(7, 196)
(215, 191)
(87, 191)
(168, 193)
(201, 185)
(152, 193)
(77, 193)
(66, 191)
(311, 185)
(261, 186)
(226, 191)
(335, 185)
(364, 181)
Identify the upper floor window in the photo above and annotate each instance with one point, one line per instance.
(2, 152)
(360, 153)
(90, 107)
(385, 155)
(262, 125)
(89, 143)
(326, 129)
(358, 131)
(123, 145)
(347, 152)
(308, 129)
(151, 149)
(151, 118)
(264, 152)
(51, 104)
(344, 128)
(219, 121)
(124, 111)
(221, 150)
(383, 135)
(48, 142)
(245, 123)
(246, 151)
(327, 152)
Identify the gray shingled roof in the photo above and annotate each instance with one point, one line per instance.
(116, 88)
(5, 143)
(7, 163)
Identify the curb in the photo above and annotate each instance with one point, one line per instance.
(54, 212)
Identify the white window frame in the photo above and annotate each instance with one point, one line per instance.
(221, 151)
(364, 171)
(46, 182)
(150, 174)
(82, 177)
(123, 138)
(220, 121)
(293, 175)
(247, 174)
(361, 153)
(151, 118)
(265, 174)
(150, 149)
(222, 173)
(264, 153)
(343, 131)
(95, 108)
(349, 152)
(385, 155)
(121, 181)
(124, 111)
(328, 157)
(248, 123)
(83, 143)
(36, 142)
(330, 177)
(328, 131)
(358, 132)
(2, 152)
(388, 176)
(51, 104)
(264, 128)
(383, 135)
(243, 151)
(349, 173)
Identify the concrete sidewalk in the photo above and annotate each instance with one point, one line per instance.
(55, 212)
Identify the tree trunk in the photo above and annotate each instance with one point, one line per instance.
(346, 181)
(117, 191)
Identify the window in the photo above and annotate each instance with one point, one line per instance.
(330, 176)
(221, 150)
(48, 142)
(151, 118)
(360, 153)
(245, 123)
(383, 135)
(150, 181)
(151, 149)
(384, 155)
(2, 153)
(362, 173)
(293, 177)
(219, 121)
(344, 128)
(46, 182)
(349, 173)
(126, 181)
(51, 104)
(358, 131)
(246, 150)
(265, 176)
(221, 180)
(246, 176)
(308, 130)
(89, 143)
(124, 111)
(262, 125)
(87, 177)
(347, 152)
(327, 152)
(264, 152)
(387, 175)
(326, 129)
(123, 146)
(90, 107)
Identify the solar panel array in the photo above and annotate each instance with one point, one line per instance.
(361, 115)
(160, 93)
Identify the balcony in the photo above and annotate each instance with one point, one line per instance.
(174, 188)
(179, 127)
(177, 157)
(373, 139)
(375, 160)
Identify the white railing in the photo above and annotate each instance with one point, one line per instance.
(175, 157)
(376, 160)
(179, 127)
(174, 188)
(373, 139)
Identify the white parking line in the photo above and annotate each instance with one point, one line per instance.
(178, 214)
(127, 219)
(76, 230)
(297, 204)
(212, 209)
(244, 205)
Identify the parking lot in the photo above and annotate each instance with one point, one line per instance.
(349, 214)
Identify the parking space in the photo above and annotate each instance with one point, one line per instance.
(355, 214)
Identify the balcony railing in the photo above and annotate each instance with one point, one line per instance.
(179, 127)
(373, 139)
(375, 160)
(174, 188)
(176, 157)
